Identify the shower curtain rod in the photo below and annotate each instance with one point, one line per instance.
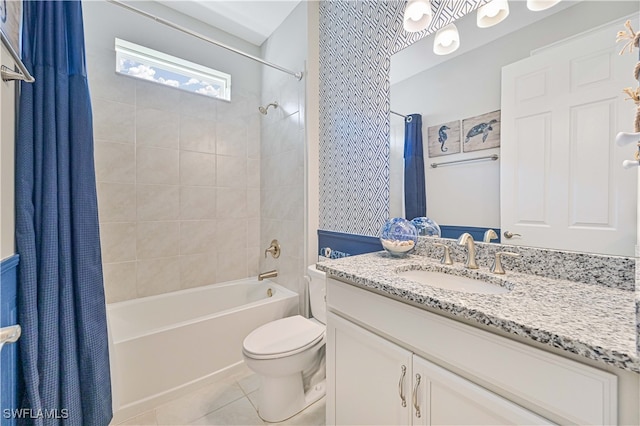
(297, 75)
(8, 74)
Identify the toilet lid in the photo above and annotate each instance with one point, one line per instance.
(291, 334)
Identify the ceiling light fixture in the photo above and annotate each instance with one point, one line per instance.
(492, 13)
(417, 15)
(538, 5)
(447, 40)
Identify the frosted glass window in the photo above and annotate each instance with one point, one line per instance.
(148, 64)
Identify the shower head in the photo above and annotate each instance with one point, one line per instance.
(263, 110)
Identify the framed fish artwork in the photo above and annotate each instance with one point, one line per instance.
(444, 139)
(481, 132)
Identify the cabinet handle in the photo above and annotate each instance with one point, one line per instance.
(401, 386)
(415, 396)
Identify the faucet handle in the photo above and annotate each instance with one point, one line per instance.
(274, 249)
(446, 256)
(496, 266)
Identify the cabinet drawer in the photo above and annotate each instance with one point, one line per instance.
(544, 382)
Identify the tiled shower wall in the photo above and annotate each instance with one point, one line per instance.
(283, 152)
(178, 184)
(282, 194)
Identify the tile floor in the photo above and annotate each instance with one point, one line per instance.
(232, 401)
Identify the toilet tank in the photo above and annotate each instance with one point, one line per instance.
(317, 291)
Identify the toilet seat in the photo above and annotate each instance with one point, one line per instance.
(282, 338)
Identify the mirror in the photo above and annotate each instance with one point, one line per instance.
(468, 84)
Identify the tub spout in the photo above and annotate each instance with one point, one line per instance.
(269, 274)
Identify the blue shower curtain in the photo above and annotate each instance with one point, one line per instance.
(415, 196)
(61, 306)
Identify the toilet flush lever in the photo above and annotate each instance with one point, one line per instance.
(274, 249)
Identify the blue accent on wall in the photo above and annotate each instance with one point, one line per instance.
(353, 244)
(347, 243)
(477, 233)
(9, 353)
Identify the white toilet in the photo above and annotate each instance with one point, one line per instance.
(288, 354)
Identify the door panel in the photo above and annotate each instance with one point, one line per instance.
(562, 181)
(534, 136)
(592, 201)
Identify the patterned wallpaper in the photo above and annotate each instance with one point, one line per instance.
(357, 39)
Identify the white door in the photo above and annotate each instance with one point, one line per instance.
(440, 397)
(368, 377)
(562, 183)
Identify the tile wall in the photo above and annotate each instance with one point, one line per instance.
(283, 153)
(282, 191)
(178, 184)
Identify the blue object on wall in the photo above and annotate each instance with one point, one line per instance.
(61, 303)
(9, 390)
(415, 196)
(350, 244)
(476, 232)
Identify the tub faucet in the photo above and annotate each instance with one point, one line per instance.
(467, 239)
(269, 274)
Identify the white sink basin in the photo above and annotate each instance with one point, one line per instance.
(452, 282)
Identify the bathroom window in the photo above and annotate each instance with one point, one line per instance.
(148, 64)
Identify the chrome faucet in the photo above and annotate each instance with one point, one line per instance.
(467, 239)
(269, 274)
(489, 235)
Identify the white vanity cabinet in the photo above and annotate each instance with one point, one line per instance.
(371, 376)
(376, 382)
(377, 348)
(441, 397)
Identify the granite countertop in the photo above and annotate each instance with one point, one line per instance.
(590, 320)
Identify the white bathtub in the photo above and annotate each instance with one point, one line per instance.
(167, 345)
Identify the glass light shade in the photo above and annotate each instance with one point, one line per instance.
(447, 40)
(398, 236)
(492, 13)
(417, 15)
(538, 5)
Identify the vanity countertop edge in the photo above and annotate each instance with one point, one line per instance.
(592, 321)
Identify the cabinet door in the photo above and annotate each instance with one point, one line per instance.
(368, 377)
(440, 397)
